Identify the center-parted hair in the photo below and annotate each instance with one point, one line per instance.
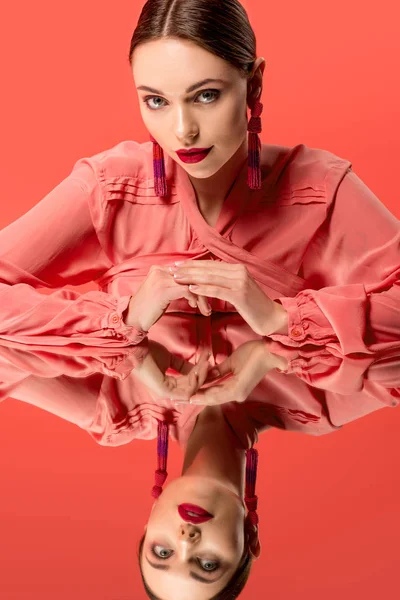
(221, 27)
(238, 580)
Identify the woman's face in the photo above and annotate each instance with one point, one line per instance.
(214, 114)
(211, 550)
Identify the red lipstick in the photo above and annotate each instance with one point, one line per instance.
(193, 513)
(193, 155)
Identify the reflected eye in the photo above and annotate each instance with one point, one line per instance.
(163, 553)
(208, 565)
(205, 564)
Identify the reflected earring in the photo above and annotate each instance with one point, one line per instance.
(254, 147)
(251, 500)
(162, 457)
(160, 183)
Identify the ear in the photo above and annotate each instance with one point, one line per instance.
(253, 541)
(256, 80)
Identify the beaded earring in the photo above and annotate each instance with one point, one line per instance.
(160, 183)
(251, 500)
(254, 127)
(161, 473)
(254, 147)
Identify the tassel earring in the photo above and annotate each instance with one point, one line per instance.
(161, 474)
(160, 183)
(254, 147)
(251, 500)
(162, 457)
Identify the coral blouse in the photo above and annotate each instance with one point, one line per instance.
(314, 237)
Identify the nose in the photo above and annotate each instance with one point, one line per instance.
(189, 532)
(185, 128)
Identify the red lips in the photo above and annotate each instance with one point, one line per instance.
(194, 155)
(199, 514)
(192, 151)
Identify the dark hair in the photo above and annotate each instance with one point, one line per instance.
(221, 27)
(232, 589)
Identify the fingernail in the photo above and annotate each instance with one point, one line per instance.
(179, 262)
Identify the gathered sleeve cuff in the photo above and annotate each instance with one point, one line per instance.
(362, 332)
(94, 318)
(332, 316)
(335, 336)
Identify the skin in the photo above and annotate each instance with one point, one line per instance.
(213, 477)
(214, 465)
(178, 120)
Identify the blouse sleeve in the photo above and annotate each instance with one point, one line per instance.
(20, 361)
(352, 309)
(54, 244)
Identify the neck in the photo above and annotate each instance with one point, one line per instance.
(214, 451)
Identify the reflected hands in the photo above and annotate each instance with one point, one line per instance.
(152, 373)
(243, 370)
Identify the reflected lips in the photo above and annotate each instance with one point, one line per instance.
(193, 156)
(193, 513)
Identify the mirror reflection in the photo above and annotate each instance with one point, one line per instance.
(241, 286)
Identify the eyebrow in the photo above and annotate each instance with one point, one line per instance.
(191, 573)
(191, 88)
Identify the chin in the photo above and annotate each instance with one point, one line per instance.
(200, 171)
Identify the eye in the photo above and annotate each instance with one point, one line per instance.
(205, 564)
(148, 98)
(214, 95)
(208, 565)
(163, 553)
(215, 92)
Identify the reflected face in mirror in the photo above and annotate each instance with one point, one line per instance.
(197, 100)
(193, 560)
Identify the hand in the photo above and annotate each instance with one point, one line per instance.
(152, 373)
(233, 283)
(243, 370)
(154, 296)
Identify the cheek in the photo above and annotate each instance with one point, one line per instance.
(234, 543)
(231, 121)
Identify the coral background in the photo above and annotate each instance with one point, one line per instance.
(72, 512)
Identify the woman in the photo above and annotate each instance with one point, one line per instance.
(304, 322)
(212, 552)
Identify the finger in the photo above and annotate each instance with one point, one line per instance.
(204, 306)
(198, 301)
(182, 291)
(196, 377)
(179, 364)
(185, 367)
(214, 264)
(200, 370)
(206, 398)
(217, 394)
(222, 369)
(191, 297)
